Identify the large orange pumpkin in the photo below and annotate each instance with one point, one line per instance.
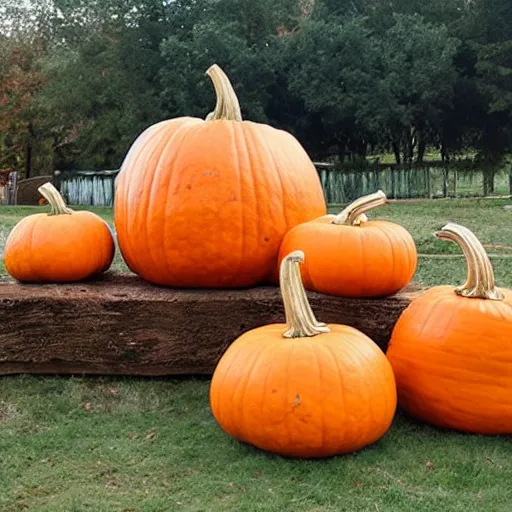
(207, 203)
(349, 255)
(61, 246)
(304, 389)
(451, 349)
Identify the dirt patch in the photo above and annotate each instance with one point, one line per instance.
(8, 411)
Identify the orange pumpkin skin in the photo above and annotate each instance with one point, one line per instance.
(375, 259)
(59, 248)
(207, 203)
(304, 397)
(452, 358)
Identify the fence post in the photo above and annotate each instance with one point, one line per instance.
(12, 188)
(329, 187)
(510, 180)
(56, 179)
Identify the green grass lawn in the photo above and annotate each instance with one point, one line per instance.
(151, 445)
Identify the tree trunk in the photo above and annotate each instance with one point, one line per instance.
(488, 181)
(121, 325)
(445, 157)
(396, 151)
(341, 146)
(410, 144)
(28, 152)
(422, 146)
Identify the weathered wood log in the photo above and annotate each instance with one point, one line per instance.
(120, 325)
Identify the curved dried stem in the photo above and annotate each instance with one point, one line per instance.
(480, 281)
(300, 318)
(55, 200)
(353, 214)
(227, 106)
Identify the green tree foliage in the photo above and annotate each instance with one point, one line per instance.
(367, 90)
(333, 68)
(345, 76)
(492, 39)
(241, 36)
(104, 88)
(20, 83)
(417, 69)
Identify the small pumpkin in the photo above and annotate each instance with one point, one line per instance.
(451, 348)
(60, 246)
(206, 203)
(349, 255)
(304, 389)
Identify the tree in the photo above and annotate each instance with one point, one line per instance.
(241, 36)
(20, 82)
(492, 38)
(23, 40)
(344, 76)
(104, 65)
(417, 69)
(367, 88)
(332, 67)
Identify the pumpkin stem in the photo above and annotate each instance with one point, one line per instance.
(480, 281)
(300, 318)
(353, 214)
(55, 200)
(227, 106)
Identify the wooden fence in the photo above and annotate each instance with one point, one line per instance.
(27, 190)
(343, 186)
(96, 188)
(85, 188)
(9, 189)
(88, 188)
(22, 192)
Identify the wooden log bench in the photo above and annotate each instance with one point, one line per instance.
(120, 325)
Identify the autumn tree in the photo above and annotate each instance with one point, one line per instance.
(20, 83)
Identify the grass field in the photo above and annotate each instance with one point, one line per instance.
(126, 445)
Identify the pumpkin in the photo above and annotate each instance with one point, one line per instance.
(206, 203)
(451, 349)
(349, 255)
(304, 389)
(60, 246)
